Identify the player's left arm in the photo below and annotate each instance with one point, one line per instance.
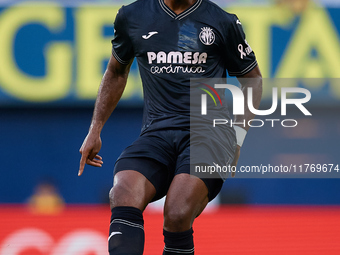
(253, 80)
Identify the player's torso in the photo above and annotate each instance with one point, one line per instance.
(171, 46)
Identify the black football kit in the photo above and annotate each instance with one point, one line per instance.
(171, 50)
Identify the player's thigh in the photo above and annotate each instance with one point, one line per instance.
(186, 199)
(131, 188)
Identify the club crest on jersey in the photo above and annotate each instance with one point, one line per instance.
(207, 36)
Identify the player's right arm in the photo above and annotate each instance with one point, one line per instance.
(109, 93)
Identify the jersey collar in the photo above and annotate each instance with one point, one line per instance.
(182, 15)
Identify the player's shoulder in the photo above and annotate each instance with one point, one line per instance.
(136, 11)
(134, 7)
(218, 13)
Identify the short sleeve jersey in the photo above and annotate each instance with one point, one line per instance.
(204, 41)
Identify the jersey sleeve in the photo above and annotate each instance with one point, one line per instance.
(240, 58)
(122, 48)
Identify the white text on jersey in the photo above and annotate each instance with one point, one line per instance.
(177, 57)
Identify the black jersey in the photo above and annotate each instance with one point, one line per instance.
(202, 42)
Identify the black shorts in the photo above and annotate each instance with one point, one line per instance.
(159, 156)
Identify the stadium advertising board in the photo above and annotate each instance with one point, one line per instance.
(56, 54)
(264, 230)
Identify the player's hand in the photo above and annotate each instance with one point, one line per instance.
(236, 157)
(89, 152)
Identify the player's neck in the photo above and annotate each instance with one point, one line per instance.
(178, 6)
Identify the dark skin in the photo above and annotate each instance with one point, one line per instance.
(187, 195)
(179, 6)
(110, 91)
(252, 79)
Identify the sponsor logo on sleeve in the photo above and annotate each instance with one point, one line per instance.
(244, 51)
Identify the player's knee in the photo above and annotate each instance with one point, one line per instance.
(120, 195)
(111, 197)
(177, 219)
